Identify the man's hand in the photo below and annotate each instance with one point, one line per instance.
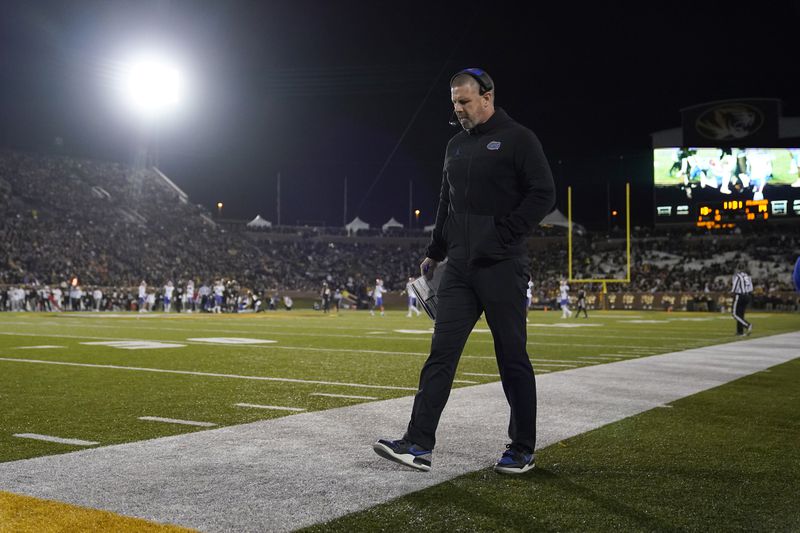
(427, 267)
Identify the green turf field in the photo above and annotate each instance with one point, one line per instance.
(98, 392)
(721, 460)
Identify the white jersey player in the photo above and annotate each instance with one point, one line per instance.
(97, 298)
(169, 288)
(528, 298)
(188, 297)
(412, 299)
(219, 291)
(142, 296)
(377, 296)
(563, 298)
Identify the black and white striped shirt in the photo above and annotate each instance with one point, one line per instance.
(742, 284)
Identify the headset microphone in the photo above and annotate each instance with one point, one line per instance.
(454, 120)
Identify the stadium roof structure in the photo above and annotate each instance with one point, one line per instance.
(259, 222)
(391, 223)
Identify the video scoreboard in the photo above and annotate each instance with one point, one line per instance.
(726, 187)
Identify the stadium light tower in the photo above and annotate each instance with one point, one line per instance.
(152, 87)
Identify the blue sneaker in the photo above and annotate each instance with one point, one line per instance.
(404, 452)
(514, 460)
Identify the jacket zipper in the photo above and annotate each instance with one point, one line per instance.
(466, 199)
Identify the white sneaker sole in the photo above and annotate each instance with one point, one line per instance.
(506, 470)
(405, 459)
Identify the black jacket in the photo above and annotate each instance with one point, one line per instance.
(496, 187)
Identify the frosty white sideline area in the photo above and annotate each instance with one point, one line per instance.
(240, 478)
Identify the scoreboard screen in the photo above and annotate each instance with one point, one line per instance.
(726, 187)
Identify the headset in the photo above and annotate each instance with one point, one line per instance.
(485, 84)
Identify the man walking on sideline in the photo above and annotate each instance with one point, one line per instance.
(742, 289)
(496, 187)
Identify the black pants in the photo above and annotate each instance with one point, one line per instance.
(464, 292)
(740, 302)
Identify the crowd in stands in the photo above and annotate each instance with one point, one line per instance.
(67, 222)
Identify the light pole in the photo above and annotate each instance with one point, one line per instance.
(219, 209)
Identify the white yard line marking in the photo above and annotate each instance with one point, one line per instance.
(276, 347)
(136, 345)
(464, 381)
(177, 421)
(343, 396)
(273, 407)
(42, 347)
(553, 364)
(230, 340)
(207, 374)
(59, 440)
(481, 375)
(601, 357)
(623, 355)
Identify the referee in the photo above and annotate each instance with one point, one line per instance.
(742, 289)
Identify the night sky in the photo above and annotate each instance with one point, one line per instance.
(323, 91)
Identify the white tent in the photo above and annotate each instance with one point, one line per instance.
(356, 225)
(557, 218)
(391, 223)
(259, 222)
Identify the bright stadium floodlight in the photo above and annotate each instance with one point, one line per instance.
(152, 86)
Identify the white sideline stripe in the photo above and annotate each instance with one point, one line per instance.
(464, 381)
(481, 375)
(623, 355)
(206, 374)
(343, 396)
(553, 364)
(59, 440)
(273, 407)
(601, 357)
(177, 421)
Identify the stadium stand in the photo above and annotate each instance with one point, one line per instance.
(111, 226)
